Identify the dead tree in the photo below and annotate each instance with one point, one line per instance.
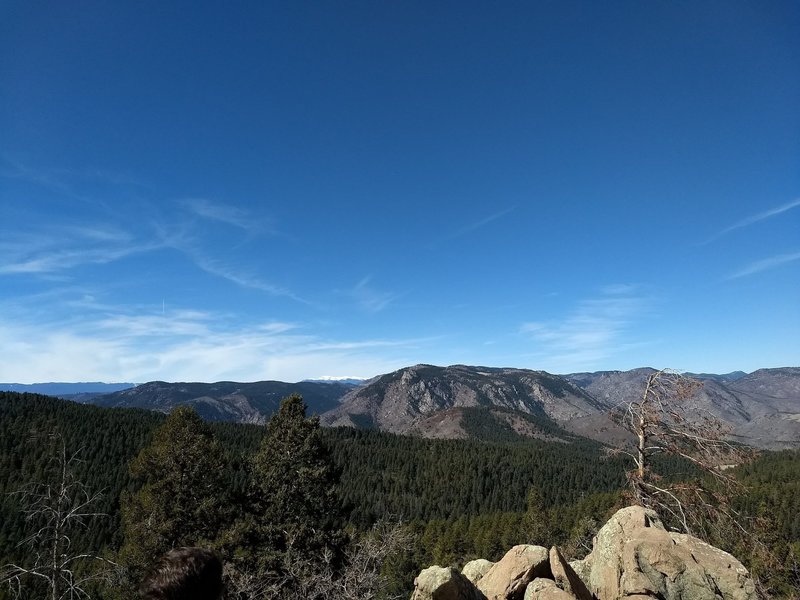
(314, 577)
(53, 510)
(665, 421)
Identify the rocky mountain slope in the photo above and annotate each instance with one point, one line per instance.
(761, 408)
(402, 401)
(226, 400)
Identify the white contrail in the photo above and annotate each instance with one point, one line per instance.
(755, 219)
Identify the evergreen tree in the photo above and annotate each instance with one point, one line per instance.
(296, 508)
(537, 522)
(182, 498)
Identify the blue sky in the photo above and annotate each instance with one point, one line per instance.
(246, 191)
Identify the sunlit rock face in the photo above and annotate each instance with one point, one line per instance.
(633, 558)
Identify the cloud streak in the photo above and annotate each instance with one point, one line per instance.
(63, 248)
(766, 264)
(479, 224)
(751, 220)
(369, 298)
(245, 280)
(225, 213)
(593, 331)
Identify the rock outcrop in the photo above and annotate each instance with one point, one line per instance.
(633, 558)
(509, 577)
(545, 589)
(566, 578)
(439, 583)
(475, 569)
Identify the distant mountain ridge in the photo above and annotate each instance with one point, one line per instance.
(721, 378)
(761, 408)
(400, 401)
(66, 389)
(226, 400)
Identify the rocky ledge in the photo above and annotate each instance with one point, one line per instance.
(633, 557)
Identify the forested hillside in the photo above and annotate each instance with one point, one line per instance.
(226, 400)
(381, 474)
(447, 479)
(460, 499)
(107, 441)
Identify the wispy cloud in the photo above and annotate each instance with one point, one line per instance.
(72, 183)
(619, 289)
(765, 264)
(184, 240)
(183, 345)
(245, 280)
(57, 249)
(227, 214)
(369, 298)
(176, 323)
(53, 179)
(480, 223)
(50, 249)
(593, 331)
(373, 343)
(60, 248)
(773, 212)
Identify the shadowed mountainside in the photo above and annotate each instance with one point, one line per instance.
(226, 400)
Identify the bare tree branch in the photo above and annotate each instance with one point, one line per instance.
(315, 577)
(54, 508)
(664, 423)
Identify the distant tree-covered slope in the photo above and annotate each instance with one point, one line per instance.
(226, 400)
(107, 441)
(424, 479)
(62, 389)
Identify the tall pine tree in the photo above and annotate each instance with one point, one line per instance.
(296, 510)
(182, 498)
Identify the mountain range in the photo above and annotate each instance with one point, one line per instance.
(226, 400)
(62, 389)
(761, 408)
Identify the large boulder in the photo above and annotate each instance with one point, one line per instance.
(444, 583)
(634, 556)
(545, 589)
(507, 579)
(475, 569)
(565, 576)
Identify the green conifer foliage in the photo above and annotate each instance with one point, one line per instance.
(182, 499)
(296, 508)
(537, 522)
